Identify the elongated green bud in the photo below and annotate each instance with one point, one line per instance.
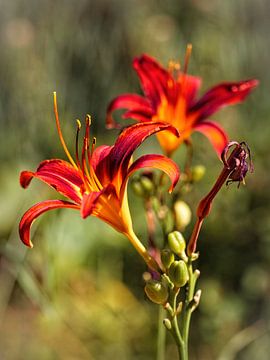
(197, 172)
(178, 273)
(176, 242)
(147, 184)
(142, 186)
(137, 188)
(156, 291)
(167, 257)
(182, 214)
(167, 323)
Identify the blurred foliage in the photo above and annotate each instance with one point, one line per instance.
(79, 293)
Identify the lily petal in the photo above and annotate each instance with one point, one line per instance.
(190, 86)
(100, 163)
(60, 175)
(221, 95)
(154, 78)
(159, 162)
(127, 142)
(133, 102)
(35, 211)
(215, 134)
(88, 203)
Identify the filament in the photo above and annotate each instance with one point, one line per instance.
(60, 132)
(187, 57)
(77, 143)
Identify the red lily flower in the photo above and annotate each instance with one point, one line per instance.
(96, 183)
(170, 96)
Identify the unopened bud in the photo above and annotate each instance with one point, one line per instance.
(176, 242)
(156, 291)
(167, 323)
(167, 257)
(147, 184)
(182, 214)
(197, 172)
(137, 188)
(178, 273)
(142, 186)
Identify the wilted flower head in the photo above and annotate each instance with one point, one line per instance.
(237, 163)
(171, 96)
(242, 159)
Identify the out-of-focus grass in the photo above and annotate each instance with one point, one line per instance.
(79, 293)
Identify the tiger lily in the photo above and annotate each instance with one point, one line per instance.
(171, 97)
(96, 182)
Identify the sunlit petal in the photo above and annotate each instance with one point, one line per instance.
(159, 162)
(137, 103)
(58, 174)
(221, 95)
(129, 140)
(214, 133)
(154, 78)
(30, 216)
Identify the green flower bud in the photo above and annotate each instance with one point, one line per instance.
(176, 242)
(167, 323)
(182, 214)
(142, 186)
(147, 184)
(197, 172)
(178, 273)
(167, 257)
(137, 188)
(156, 291)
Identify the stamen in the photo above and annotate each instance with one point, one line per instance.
(79, 125)
(60, 132)
(173, 66)
(187, 57)
(94, 141)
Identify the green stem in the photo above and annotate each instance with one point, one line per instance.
(188, 309)
(161, 340)
(181, 347)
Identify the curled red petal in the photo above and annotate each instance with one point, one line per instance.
(215, 134)
(159, 162)
(25, 178)
(221, 95)
(60, 175)
(133, 102)
(30, 216)
(127, 142)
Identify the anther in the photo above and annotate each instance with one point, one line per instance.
(88, 119)
(187, 57)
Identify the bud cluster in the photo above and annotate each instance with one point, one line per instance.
(143, 185)
(176, 276)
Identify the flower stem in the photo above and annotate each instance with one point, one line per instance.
(161, 340)
(149, 260)
(189, 305)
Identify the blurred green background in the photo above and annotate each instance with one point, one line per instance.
(79, 293)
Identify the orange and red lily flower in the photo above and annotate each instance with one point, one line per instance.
(96, 182)
(171, 97)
